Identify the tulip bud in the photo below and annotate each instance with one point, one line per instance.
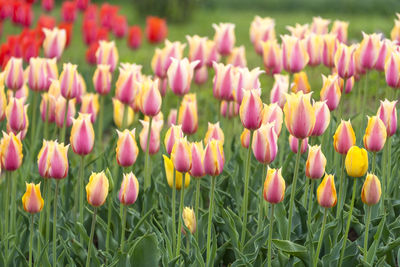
(16, 114)
(388, 114)
(274, 186)
(223, 81)
(299, 115)
(32, 199)
(201, 75)
(188, 114)
(197, 49)
(69, 81)
(279, 89)
(322, 118)
(214, 132)
(54, 42)
(326, 192)
(329, 50)
(294, 144)
(60, 107)
(245, 138)
(395, 32)
(11, 151)
(37, 76)
(294, 52)
(82, 135)
(154, 145)
(371, 190)
(237, 57)
(14, 74)
(107, 54)
(368, 50)
(180, 74)
(169, 172)
(189, 219)
(265, 143)
(316, 162)
(320, 25)
(251, 110)
(43, 159)
(330, 91)
(392, 67)
(97, 189)
(345, 61)
(128, 83)
(314, 44)
(273, 114)
(214, 158)
(356, 162)
(90, 105)
(301, 83)
(272, 57)
(127, 149)
(3, 103)
(174, 133)
(134, 37)
(172, 117)
(344, 137)
(58, 160)
(375, 134)
(246, 80)
(150, 98)
(212, 53)
(339, 28)
(197, 153)
(129, 189)
(224, 37)
(385, 50)
(181, 155)
(118, 108)
(102, 79)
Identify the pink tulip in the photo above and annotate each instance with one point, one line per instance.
(154, 144)
(214, 158)
(251, 110)
(59, 112)
(375, 134)
(368, 51)
(294, 144)
(331, 92)
(345, 61)
(294, 52)
(180, 74)
(272, 57)
(188, 114)
(322, 118)
(197, 153)
(214, 132)
(273, 114)
(174, 133)
(69, 81)
(11, 151)
(279, 89)
(14, 74)
(316, 162)
(274, 186)
(223, 81)
(102, 79)
(129, 190)
(265, 143)
(150, 98)
(181, 155)
(107, 54)
(82, 135)
(224, 37)
(127, 150)
(237, 57)
(388, 114)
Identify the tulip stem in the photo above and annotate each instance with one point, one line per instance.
(373, 162)
(196, 205)
(123, 228)
(125, 117)
(309, 217)
(271, 227)
(173, 211)
(348, 222)
(81, 185)
(42, 214)
(100, 125)
(55, 224)
(46, 122)
(368, 219)
(293, 192)
(63, 129)
(33, 120)
(339, 209)
(210, 215)
(30, 241)
(48, 196)
(261, 204)
(364, 101)
(178, 245)
(307, 188)
(147, 157)
(91, 237)
(321, 236)
(109, 209)
(13, 202)
(6, 209)
(246, 191)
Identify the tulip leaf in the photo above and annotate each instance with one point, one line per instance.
(293, 249)
(145, 251)
(372, 250)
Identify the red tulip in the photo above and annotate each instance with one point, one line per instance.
(5, 9)
(47, 5)
(91, 53)
(134, 37)
(120, 26)
(156, 29)
(82, 4)
(68, 30)
(90, 12)
(107, 14)
(68, 11)
(46, 21)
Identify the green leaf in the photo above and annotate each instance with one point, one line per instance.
(145, 252)
(377, 237)
(293, 249)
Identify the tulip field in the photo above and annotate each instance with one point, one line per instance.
(239, 138)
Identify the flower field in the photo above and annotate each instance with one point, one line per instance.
(239, 138)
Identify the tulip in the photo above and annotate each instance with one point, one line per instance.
(371, 190)
(246, 80)
(59, 112)
(119, 110)
(322, 118)
(14, 74)
(32, 199)
(47, 5)
(279, 89)
(251, 110)
(37, 79)
(395, 32)
(150, 98)
(369, 50)
(339, 28)
(181, 155)
(189, 219)
(43, 156)
(314, 44)
(58, 160)
(294, 144)
(69, 81)
(349, 85)
(173, 134)
(299, 31)
(320, 25)
(326, 192)
(385, 50)
(128, 83)
(273, 114)
(265, 143)
(188, 114)
(272, 56)
(344, 137)
(392, 68)
(180, 74)
(300, 83)
(16, 114)
(90, 105)
(172, 117)
(224, 37)
(375, 134)
(388, 114)
(156, 29)
(134, 37)
(197, 154)
(299, 115)
(11, 151)
(344, 61)
(107, 14)
(245, 138)
(68, 11)
(274, 186)
(214, 132)
(295, 56)
(154, 140)
(169, 171)
(102, 79)
(331, 92)
(162, 57)
(356, 162)
(54, 42)
(329, 50)
(129, 189)
(107, 54)
(223, 81)
(127, 149)
(197, 49)
(120, 26)
(3, 103)
(214, 158)
(211, 53)
(82, 135)
(237, 57)
(316, 162)
(261, 30)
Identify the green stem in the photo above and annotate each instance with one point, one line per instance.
(48, 198)
(30, 241)
(210, 215)
(373, 162)
(13, 202)
(271, 227)
(196, 205)
(81, 186)
(295, 175)
(368, 219)
(321, 236)
(33, 120)
(246, 191)
(187, 244)
(91, 237)
(384, 163)
(307, 188)
(146, 162)
(100, 125)
(55, 224)
(46, 122)
(348, 222)
(261, 204)
(6, 209)
(363, 107)
(389, 179)
(125, 117)
(173, 211)
(178, 245)
(309, 217)
(63, 129)
(42, 214)
(123, 228)
(109, 209)
(339, 209)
